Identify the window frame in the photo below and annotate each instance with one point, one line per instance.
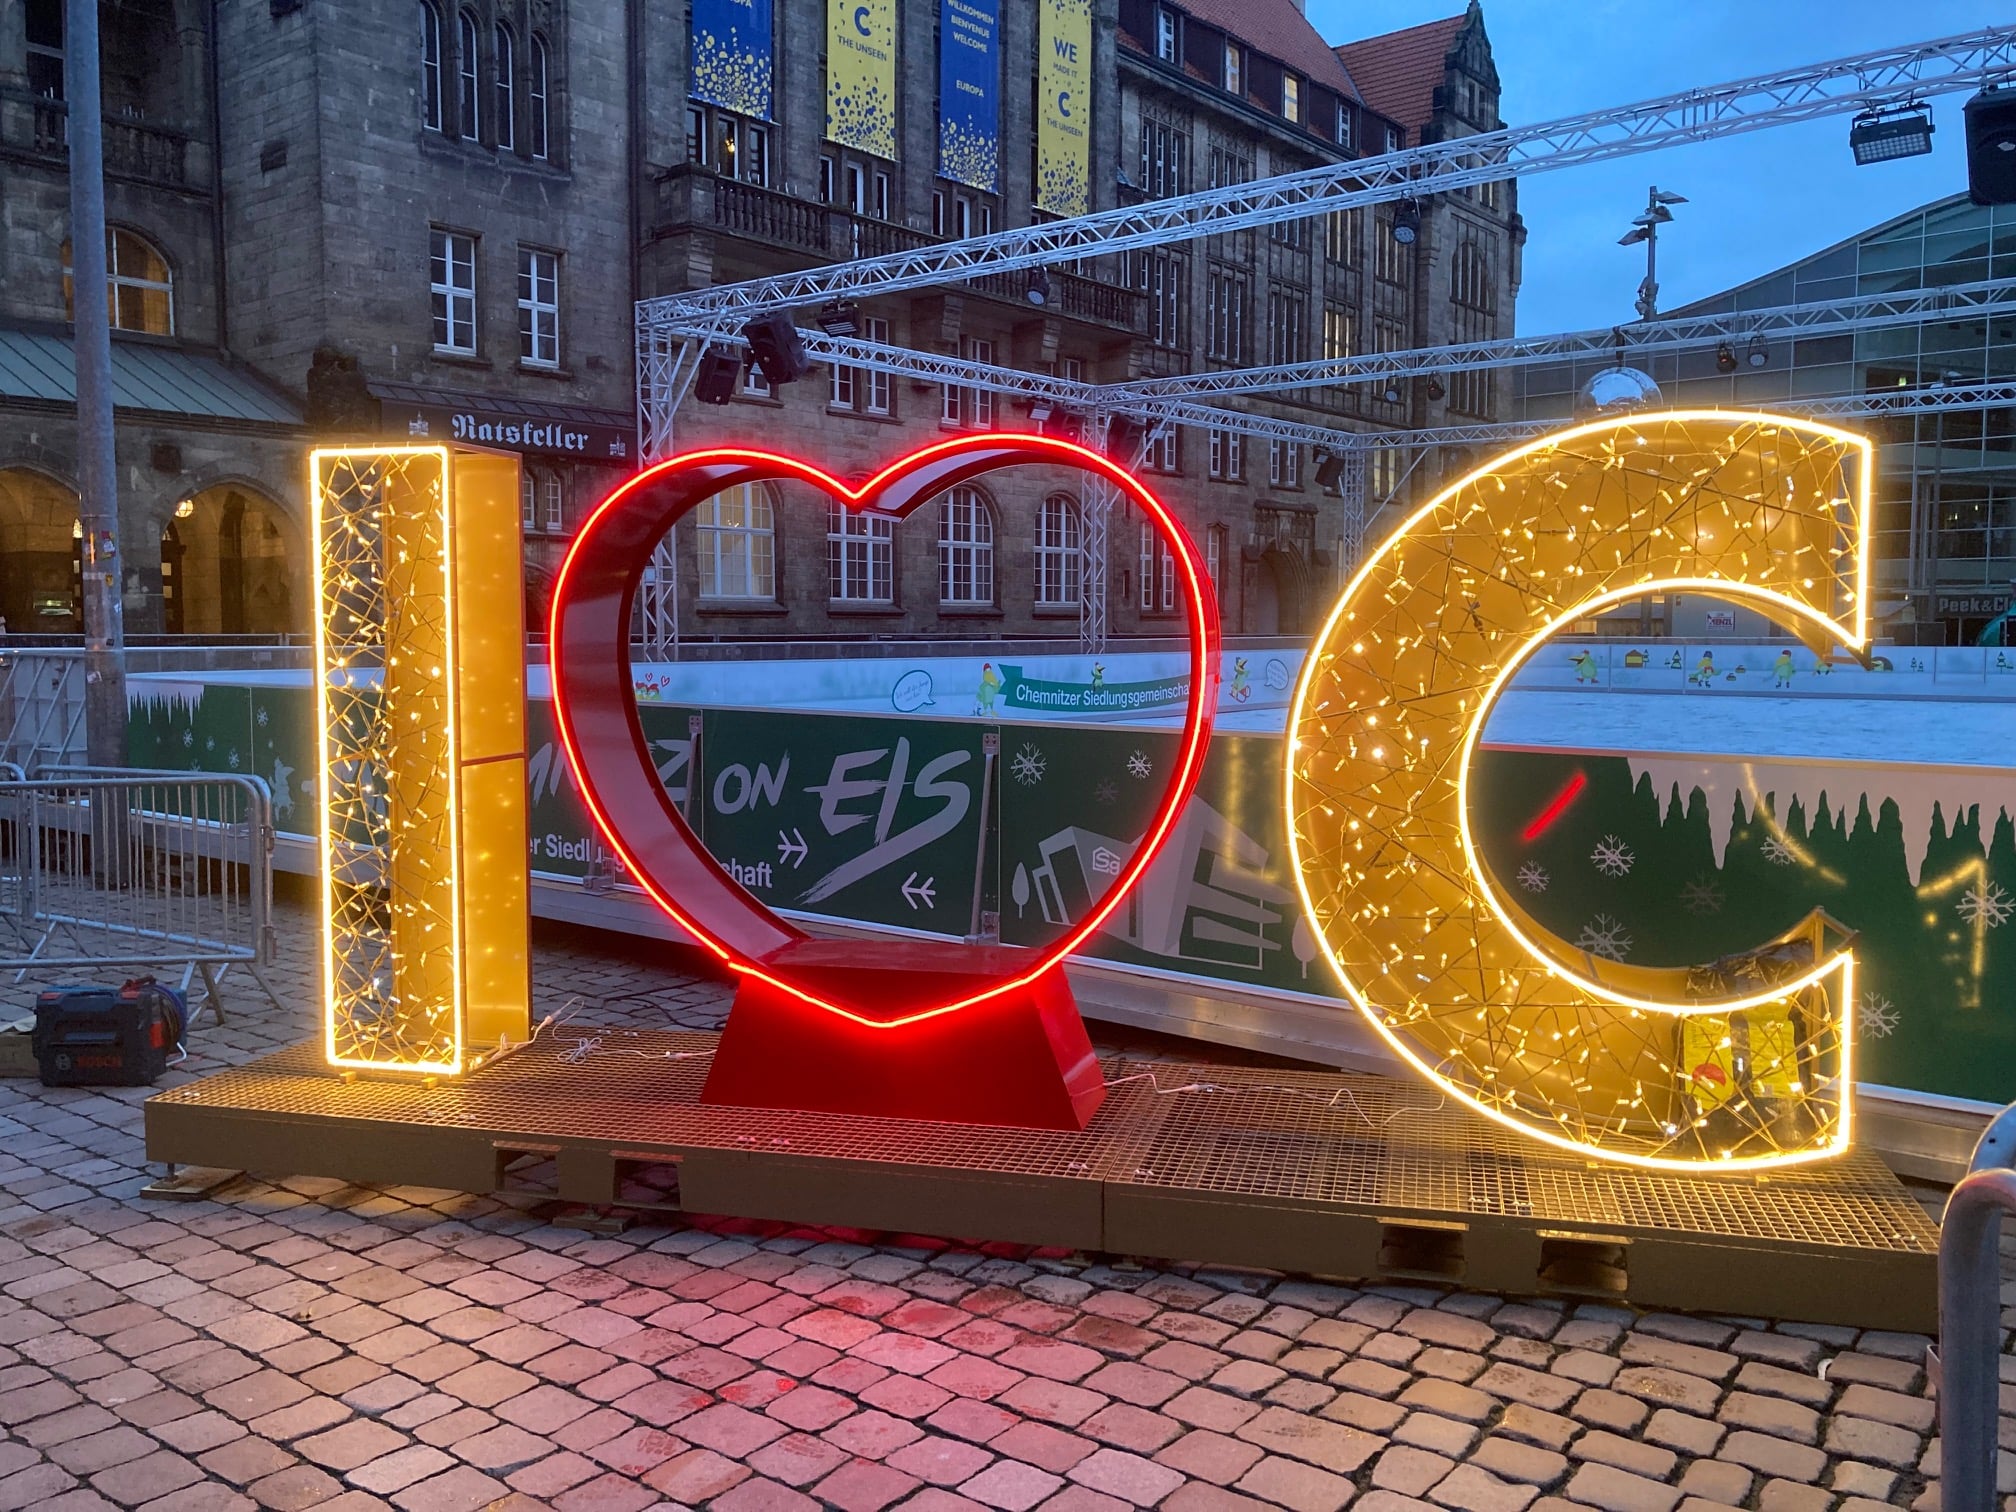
(433, 90)
(752, 544)
(531, 307)
(876, 540)
(504, 52)
(538, 96)
(468, 77)
(442, 244)
(1060, 553)
(966, 537)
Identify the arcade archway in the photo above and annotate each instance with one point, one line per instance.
(231, 564)
(40, 584)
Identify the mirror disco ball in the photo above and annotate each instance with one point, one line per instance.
(1617, 391)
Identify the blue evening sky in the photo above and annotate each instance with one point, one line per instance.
(1757, 201)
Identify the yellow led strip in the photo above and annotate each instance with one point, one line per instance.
(1385, 722)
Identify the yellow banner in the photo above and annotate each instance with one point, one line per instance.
(1064, 108)
(861, 75)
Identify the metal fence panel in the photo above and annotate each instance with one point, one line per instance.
(136, 869)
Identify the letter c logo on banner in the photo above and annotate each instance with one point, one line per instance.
(1737, 1063)
(861, 20)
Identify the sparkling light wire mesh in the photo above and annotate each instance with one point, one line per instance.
(383, 650)
(1746, 1063)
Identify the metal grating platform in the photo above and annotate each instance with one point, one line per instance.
(1324, 1173)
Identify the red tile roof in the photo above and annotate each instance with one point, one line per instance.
(1397, 74)
(1279, 29)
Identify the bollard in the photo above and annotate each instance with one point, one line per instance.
(1970, 1333)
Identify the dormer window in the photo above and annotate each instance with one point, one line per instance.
(1235, 70)
(1165, 34)
(1291, 97)
(1343, 125)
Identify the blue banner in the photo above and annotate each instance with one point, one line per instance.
(969, 92)
(732, 53)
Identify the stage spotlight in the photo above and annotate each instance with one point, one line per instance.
(1407, 222)
(1038, 293)
(1725, 358)
(841, 318)
(1758, 353)
(1897, 131)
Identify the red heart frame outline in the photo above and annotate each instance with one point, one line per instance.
(595, 704)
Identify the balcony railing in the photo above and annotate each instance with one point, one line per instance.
(691, 198)
(137, 150)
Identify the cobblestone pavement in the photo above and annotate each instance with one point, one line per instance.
(299, 1343)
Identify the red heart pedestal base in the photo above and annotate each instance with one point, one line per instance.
(1020, 1058)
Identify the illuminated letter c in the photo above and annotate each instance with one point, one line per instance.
(1742, 1067)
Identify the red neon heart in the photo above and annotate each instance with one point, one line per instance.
(595, 704)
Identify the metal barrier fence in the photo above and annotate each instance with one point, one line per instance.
(136, 869)
(41, 706)
(1966, 1367)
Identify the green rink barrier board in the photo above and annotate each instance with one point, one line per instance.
(965, 827)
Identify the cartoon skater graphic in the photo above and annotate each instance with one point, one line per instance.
(1704, 670)
(1781, 670)
(1242, 688)
(1585, 667)
(990, 684)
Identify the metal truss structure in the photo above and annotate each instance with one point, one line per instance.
(1867, 81)
(673, 330)
(1678, 333)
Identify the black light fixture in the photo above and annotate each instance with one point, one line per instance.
(1758, 353)
(1895, 131)
(1329, 468)
(1040, 410)
(1391, 393)
(1038, 292)
(1122, 436)
(1407, 222)
(1435, 390)
(841, 318)
(714, 381)
(778, 348)
(1725, 358)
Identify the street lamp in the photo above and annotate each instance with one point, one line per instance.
(1645, 228)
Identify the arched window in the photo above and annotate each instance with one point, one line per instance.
(536, 95)
(1059, 552)
(1470, 278)
(139, 289)
(507, 81)
(965, 549)
(738, 544)
(465, 74)
(430, 67)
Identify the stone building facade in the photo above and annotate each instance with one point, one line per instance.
(430, 218)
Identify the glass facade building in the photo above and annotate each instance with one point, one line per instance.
(1945, 525)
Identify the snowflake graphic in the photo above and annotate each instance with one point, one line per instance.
(1875, 1017)
(1533, 877)
(1138, 765)
(231, 760)
(1778, 853)
(1612, 857)
(1604, 936)
(1986, 905)
(1106, 792)
(261, 717)
(1701, 897)
(188, 739)
(210, 744)
(1028, 766)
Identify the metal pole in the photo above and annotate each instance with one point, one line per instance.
(1970, 1337)
(97, 465)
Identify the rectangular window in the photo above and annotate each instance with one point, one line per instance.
(1228, 455)
(1165, 34)
(1225, 315)
(754, 384)
(1162, 276)
(1163, 453)
(1165, 154)
(840, 380)
(1343, 125)
(1284, 464)
(538, 308)
(733, 146)
(1343, 237)
(528, 495)
(970, 408)
(453, 266)
(1340, 331)
(877, 391)
(1214, 554)
(860, 556)
(1158, 573)
(1291, 97)
(556, 501)
(1285, 319)
(1389, 257)
(1059, 554)
(1235, 73)
(1071, 369)
(1147, 567)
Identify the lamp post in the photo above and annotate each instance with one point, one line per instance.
(1645, 228)
(97, 467)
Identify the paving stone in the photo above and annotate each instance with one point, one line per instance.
(1606, 1448)
(1791, 1496)
(1717, 1481)
(1471, 1489)
(1774, 1457)
(1616, 1490)
(1742, 1409)
(1408, 1470)
(1299, 1487)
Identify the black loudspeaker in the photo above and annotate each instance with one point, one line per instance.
(1122, 437)
(779, 349)
(715, 382)
(1991, 147)
(1329, 470)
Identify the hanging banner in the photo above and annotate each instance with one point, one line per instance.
(861, 75)
(1064, 108)
(732, 52)
(969, 92)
